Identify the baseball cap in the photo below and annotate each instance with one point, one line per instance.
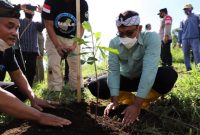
(187, 6)
(8, 10)
(162, 10)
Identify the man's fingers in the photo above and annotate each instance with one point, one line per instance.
(53, 120)
(64, 122)
(67, 122)
(106, 112)
(51, 106)
(124, 112)
(53, 102)
(114, 107)
(60, 51)
(38, 107)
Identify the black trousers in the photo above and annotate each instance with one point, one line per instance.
(30, 64)
(166, 55)
(164, 82)
(15, 91)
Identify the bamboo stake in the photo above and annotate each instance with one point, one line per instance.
(78, 34)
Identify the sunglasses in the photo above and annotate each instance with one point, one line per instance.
(127, 33)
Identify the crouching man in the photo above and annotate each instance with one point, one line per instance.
(135, 68)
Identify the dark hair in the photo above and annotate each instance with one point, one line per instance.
(147, 26)
(8, 10)
(164, 10)
(127, 14)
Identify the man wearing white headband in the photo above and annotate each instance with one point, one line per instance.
(134, 69)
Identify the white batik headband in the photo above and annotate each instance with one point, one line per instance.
(134, 20)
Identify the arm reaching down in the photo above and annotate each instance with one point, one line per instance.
(11, 105)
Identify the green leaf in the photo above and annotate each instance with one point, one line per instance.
(84, 53)
(97, 35)
(82, 62)
(91, 60)
(103, 54)
(86, 25)
(86, 47)
(80, 41)
(115, 51)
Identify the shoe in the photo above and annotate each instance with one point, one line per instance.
(188, 69)
(128, 98)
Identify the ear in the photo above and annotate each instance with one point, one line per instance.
(140, 28)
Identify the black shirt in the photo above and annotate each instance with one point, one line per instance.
(7, 62)
(63, 15)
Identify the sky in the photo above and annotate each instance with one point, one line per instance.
(103, 13)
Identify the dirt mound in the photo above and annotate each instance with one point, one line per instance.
(83, 123)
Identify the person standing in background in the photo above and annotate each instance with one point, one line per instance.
(166, 38)
(60, 21)
(148, 27)
(189, 36)
(28, 40)
(11, 100)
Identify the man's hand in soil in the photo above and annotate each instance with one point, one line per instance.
(112, 106)
(39, 104)
(109, 108)
(132, 112)
(52, 120)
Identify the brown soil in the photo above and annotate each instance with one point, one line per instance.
(83, 123)
(83, 120)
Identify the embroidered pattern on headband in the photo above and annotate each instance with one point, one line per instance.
(135, 20)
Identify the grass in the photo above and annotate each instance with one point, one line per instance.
(88, 70)
(177, 114)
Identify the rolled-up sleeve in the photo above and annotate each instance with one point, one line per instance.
(150, 64)
(114, 72)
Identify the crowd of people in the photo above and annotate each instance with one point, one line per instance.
(134, 69)
(12, 95)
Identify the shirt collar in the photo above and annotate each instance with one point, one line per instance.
(140, 39)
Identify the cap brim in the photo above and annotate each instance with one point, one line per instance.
(158, 14)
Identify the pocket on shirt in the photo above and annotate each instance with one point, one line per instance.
(137, 58)
(137, 61)
(123, 61)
